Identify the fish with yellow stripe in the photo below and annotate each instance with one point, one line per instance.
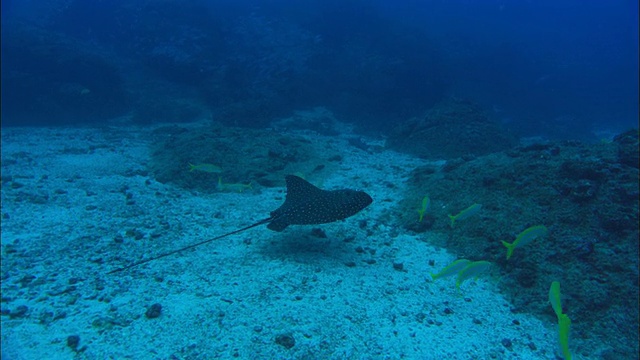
(452, 269)
(426, 203)
(473, 270)
(237, 187)
(525, 237)
(466, 213)
(464, 269)
(564, 323)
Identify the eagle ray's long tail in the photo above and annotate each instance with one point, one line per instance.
(188, 247)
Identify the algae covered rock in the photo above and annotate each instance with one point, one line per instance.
(628, 153)
(215, 157)
(582, 193)
(452, 128)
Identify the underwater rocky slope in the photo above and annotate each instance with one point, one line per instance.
(585, 194)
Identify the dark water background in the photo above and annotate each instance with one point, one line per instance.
(560, 69)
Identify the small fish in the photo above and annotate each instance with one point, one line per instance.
(426, 202)
(452, 269)
(524, 238)
(210, 168)
(472, 270)
(232, 187)
(554, 298)
(564, 323)
(470, 211)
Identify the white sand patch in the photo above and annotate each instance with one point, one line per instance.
(339, 297)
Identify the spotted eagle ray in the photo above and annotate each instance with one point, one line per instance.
(304, 204)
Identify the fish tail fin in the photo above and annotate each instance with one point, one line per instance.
(510, 249)
(191, 167)
(564, 323)
(453, 220)
(421, 212)
(434, 277)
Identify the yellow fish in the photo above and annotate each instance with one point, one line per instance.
(474, 269)
(233, 187)
(210, 168)
(564, 323)
(425, 206)
(525, 237)
(452, 269)
(471, 210)
(554, 298)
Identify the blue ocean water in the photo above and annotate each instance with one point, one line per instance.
(559, 69)
(132, 128)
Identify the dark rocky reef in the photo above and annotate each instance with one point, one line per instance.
(245, 155)
(628, 148)
(450, 129)
(586, 195)
(49, 78)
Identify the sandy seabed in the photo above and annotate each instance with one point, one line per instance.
(79, 202)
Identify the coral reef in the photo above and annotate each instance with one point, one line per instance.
(318, 119)
(236, 151)
(628, 148)
(452, 128)
(587, 195)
